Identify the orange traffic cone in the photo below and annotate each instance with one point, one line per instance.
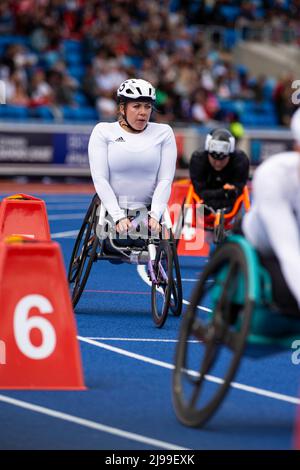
(38, 345)
(24, 215)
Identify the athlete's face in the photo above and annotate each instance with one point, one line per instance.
(218, 165)
(138, 114)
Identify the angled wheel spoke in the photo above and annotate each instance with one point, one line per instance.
(161, 292)
(198, 330)
(232, 339)
(208, 360)
(228, 287)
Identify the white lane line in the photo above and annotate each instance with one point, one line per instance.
(210, 378)
(141, 269)
(145, 340)
(90, 424)
(69, 233)
(123, 352)
(66, 216)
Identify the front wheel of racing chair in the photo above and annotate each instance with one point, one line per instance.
(176, 292)
(219, 315)
(84, 252)
(161, 283)
(220, 222)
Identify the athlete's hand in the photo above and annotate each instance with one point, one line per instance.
(229, 187)
(154, 225)
(123, 225)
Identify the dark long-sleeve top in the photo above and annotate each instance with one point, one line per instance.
(208, 183)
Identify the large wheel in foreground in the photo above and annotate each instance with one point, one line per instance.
(161, 292)
(84, 252)
(212, 336)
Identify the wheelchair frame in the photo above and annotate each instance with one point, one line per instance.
(219, 222)
(160, 255)
(240, 290)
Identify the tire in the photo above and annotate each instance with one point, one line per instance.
(74, 265)
(161, 293)
(223, 333)
(176, 292)
(84, 252)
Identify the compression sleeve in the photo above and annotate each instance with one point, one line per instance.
(165, 176)
(98, 159)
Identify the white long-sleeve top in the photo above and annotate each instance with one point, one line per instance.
(132, 170)
(273, 222)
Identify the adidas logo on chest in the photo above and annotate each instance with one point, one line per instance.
(120, 139)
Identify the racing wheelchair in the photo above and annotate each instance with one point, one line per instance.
(240, 304)
(219, 222)
(96, 242)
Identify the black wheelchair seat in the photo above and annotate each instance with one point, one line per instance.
(282, 296)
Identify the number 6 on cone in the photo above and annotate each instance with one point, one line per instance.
(37, 325)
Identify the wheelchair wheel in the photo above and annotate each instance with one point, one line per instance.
(161, 292)
(176, 292)
(210, 345)
(84, 252)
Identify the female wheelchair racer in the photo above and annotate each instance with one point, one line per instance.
(241, 299)
(97, 241)
(132, 163)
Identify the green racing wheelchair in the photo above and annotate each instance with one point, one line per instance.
(236, 307)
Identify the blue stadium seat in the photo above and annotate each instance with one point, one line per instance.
(230, 12)
(42, 112)
(2, 110)
(73, 58)
(82, 113)
(87, 113)
(80, 98)
(16, 112)
(230, 37)
(8, 39)
(77, 71)
(268, 88)
(260, 120)
(71, 45)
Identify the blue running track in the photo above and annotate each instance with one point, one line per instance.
(128, 367)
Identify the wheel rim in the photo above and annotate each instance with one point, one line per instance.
(81, 237)
(176, 291)
(84, 253)
(161, 292)
(87, 260)
(78, 256)
(204, 368)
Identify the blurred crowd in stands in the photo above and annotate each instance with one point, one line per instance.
(64, 59)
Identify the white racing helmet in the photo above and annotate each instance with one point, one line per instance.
(220, 144)
(136, 89)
